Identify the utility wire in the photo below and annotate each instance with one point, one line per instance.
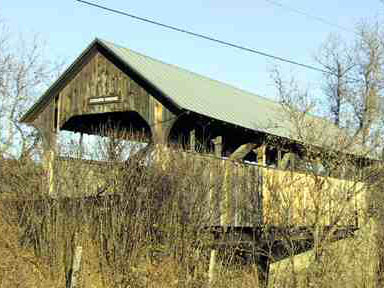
(314, 17)
(209, 38)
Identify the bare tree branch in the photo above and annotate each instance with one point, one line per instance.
(24, 73)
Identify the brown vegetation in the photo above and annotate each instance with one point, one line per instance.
(143, 224)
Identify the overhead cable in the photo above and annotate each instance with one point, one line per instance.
(310, 16)
(209, 38)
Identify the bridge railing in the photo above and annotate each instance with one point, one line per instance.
(243, 194)
(238, 194)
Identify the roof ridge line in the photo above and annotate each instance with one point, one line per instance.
(191, 72)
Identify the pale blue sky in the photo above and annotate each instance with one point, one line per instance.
(68, 27)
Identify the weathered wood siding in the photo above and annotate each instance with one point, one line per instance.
(239, 194)
(243, 194)
(45, 123)
(100, 78)
(307, 199)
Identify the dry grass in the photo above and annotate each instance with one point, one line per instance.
(119, 233)
(19, 267)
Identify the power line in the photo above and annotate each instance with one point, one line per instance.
(209, 38)
(303, 13)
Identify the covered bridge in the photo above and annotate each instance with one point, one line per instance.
(111, 84)
(129, 92)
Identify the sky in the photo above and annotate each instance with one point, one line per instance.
(68, 27)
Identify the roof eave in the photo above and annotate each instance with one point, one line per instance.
(31, 114)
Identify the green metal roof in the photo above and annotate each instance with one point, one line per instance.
(202, 95)
(211, 98)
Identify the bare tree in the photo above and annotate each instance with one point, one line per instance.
(354, 80)
(24, 72)
(368, 91)
(337, 60)
(353, 88)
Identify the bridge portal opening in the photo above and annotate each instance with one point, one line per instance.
(124, 125)
(104, 136)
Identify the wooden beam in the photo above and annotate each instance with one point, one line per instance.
(242, 151)
(261, 155)
(192, 140)
(288, 161)
(218, 142)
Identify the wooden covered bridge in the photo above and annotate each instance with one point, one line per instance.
(109, 84)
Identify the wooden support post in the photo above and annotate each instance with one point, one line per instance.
(261, 155)
(157, 127)
(81, 145)
(161, 125)
(293, 160)
(213, 199)
(226, 202)
(192, 140)
(51, 172)
(218, 142)
(279, 158)
(259, 198)
(288, 161)
(49, 147)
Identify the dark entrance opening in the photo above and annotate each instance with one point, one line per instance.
(125, 125)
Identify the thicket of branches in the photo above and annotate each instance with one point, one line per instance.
(144, 223)
(24, 74)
